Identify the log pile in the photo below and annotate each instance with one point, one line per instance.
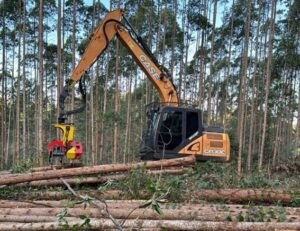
(196, 213)
(45, 215)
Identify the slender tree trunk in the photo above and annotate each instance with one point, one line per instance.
(17, 131)
(104, 107)
(210, 80)
(128, 118)
(253, 103)
(267, 86)
(40, 88)
(115, 138)
(276, 141)
(73, 49)
(3, 108)
(173, 37)
(59, 58)
(202, 60)
(92, 116)
(224, 121)
(243, 86)
(187, 43)
(182, 51)
(298, 123)
(24, 144)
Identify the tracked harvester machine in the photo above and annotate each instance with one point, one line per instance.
(173, 130)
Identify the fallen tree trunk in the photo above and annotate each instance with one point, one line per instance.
(232, 209)
(60, 195)
(238, 195)
(5, 172)
(121, 213)
(28, 219)
(72, 181)
(81, 171)
(154, 224)
(95, 180)
(232, 195)
(186, 212)
(57, 166)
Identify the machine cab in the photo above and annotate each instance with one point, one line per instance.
(169, 129)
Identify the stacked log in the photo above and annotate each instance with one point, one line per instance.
(106, 224)
(99, 169)
(95, 180)
(42, 215)
(225, 195)
(132, 214)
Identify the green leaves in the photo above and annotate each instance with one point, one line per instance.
(106, 185)
(153, 204)
(61, 216)
(86, 201)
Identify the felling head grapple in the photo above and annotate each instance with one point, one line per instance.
(66, 146)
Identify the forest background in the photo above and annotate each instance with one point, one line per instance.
(237, 60)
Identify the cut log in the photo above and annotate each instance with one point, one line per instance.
(293, 214)
(185, 212)
(232, 195)
(120, 213)
(82, 171)
(28, 219)
(154, 224)
(60, 195)
(5, 172)
(95, 180)
(58, 166)
(238, 195)
(72, 181)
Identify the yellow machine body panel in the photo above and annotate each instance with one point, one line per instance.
(210, 144)
(71, 153)
(67, 132)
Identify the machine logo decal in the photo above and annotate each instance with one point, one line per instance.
(149, 67)
(212, 151)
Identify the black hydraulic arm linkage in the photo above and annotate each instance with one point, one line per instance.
(67, 89)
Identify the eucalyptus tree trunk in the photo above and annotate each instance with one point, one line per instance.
(3, 108)
(17, 118)
(276, 141)
(224, 117)
(210, 78)
(24, 143)
(267, 86)
(175, 6)
(202, 60)
(243, 86)
(298, 123)
(40, 88)
(254, 95)
(116, 109)
(92, 117)
(128, 119)
(59, 57)
(149, 42)
(97, 97)
(164, 37)
(181, 65)
(187, 45)
(73, 49)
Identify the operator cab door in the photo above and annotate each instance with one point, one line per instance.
(175, 128)
(170, 131)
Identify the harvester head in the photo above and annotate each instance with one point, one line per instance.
(66, 146)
